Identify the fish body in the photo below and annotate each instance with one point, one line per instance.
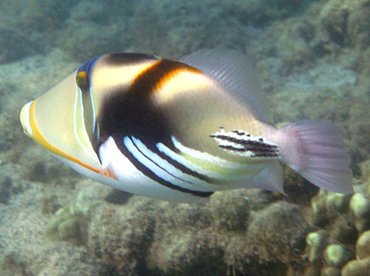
(179, 130)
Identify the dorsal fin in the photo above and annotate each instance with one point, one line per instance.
(234, 71)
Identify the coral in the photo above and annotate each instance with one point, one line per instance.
(343, 221)
(188, 253)
(266, 243)
(312, 57)
(363, 245)
(120, 238)
(150, 236)
(256, 13)
(347, 21)
(357, 267)
(336, 255)
(330, 271)
(70, 222)
(316, 242)
(49, 259)
(235, 216)
(360, 205)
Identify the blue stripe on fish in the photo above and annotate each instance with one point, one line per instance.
(87, 68)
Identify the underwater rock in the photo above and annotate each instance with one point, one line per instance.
(347, 22)
(365, 169)
(6, 186)
(297, 189)
(338, 202)
(319, 208)
(336, 255)
(270, 241)
(119, 237)
(87, 34)
(316, 242)
(189, 253)
(10, 182)
(330, 271)
(45, 15)
(344, 230)
(264, 11)
(39, 172)
(275, 236)
(343, 221)
(185, 242)
(12, 45)
(311, 271)
(118, 197)
(147, 236)
(48, 259)
(49, 205)
(334, 16)
(357, 267)
(360, 205)
(181, 217)
(363, 245)
(234, 217)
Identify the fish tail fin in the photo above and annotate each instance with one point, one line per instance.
(316, 151)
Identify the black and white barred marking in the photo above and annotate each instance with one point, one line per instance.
(159, 169)
(244, 144)
(137, 126)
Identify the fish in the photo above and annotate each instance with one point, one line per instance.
(180, 130)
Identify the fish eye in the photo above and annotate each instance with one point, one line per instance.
(82, 80)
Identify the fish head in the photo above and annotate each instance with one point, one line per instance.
(56, 121)
(65, 120)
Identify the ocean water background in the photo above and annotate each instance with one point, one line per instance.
(313, 61)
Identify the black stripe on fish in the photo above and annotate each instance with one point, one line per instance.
(127, 58)
(181, 166)
(241, 142)
(146, 81)
(131, 112)
(149, 173)
(186, 171)
(254, 152)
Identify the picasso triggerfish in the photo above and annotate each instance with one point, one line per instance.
(179, 130)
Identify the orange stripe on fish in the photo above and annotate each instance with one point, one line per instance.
(156, 75)
(109, 173)
(39, 138)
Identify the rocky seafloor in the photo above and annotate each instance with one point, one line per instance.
(313, 60)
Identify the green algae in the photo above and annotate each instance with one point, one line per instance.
(70, 222)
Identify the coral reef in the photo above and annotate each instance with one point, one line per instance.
(313, 61)
(341, 244)
(150, 236)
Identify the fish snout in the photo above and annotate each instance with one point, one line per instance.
(25, 119)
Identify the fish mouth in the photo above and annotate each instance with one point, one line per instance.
(32, 130)
(25, 119)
